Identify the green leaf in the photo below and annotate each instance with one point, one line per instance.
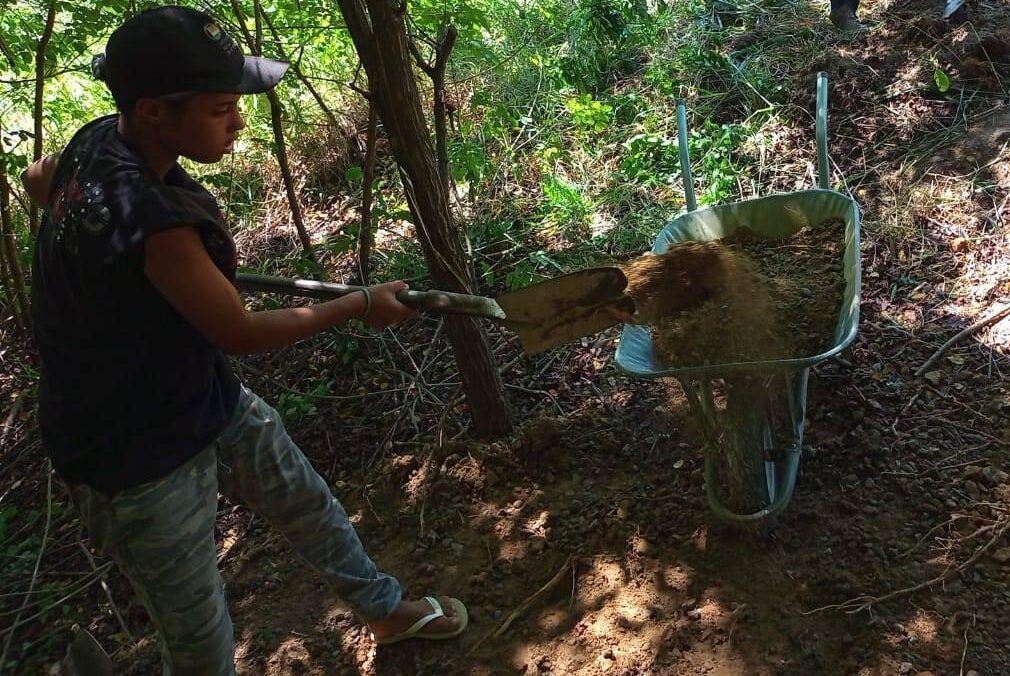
(941, 80)
(487, 272)
(354, 174)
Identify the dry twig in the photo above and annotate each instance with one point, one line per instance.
(569, 565)
(964, 653)
(861, 603)
(9, 422)
(228, 553)
(105, 586)
(948, 522)
(38, 560)
(977, 326)
(88, 580)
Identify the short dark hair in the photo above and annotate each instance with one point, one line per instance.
(174, 102)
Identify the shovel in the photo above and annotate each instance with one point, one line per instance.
(545, 315)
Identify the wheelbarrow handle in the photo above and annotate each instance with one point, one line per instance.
(820, 135)
(821, 131)
(441, 302)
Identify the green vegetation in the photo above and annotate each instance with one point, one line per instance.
(562, 144)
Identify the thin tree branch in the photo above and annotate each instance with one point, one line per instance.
(438, 81)
(380, 38)
(9, 54)
(258, 23)
(40, 84)
(50, 76)
(276, 118)
(365, 233)
(419, 59)
(296, 67)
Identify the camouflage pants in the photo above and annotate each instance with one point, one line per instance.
(161, 535)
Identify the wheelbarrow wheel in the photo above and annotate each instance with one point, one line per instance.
(740, 467)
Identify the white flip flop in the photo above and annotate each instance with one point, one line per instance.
(416, 630)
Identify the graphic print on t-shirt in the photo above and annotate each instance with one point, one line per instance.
(78, 207)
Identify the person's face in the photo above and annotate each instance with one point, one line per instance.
(202, 127)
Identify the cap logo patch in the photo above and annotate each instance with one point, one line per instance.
(215, 33)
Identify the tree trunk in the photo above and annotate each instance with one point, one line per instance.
(40, 84)
(7, 286)
(366, 234)
(13, 276)
(276, 117)
(7, 279)
(10, 266)
(381, 41)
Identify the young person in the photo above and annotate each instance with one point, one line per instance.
(134, 311)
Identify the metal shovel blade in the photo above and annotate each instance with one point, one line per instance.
(561, 310)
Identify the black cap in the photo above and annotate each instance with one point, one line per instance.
(170, 50)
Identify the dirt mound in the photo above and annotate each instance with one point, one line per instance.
(706, 303)
(744, 298)
(805, 274)
(679, 279)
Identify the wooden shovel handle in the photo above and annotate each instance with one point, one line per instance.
(441, 302)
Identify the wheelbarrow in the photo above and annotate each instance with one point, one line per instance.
(751, 414)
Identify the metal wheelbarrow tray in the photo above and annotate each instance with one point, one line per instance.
(768, 430)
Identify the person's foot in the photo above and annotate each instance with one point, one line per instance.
(407, 613)
(844, 19)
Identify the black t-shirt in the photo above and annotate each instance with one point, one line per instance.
(129, 389)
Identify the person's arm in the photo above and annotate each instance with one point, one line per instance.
(38, 179)
(178, 266)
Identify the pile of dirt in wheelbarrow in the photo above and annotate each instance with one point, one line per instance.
(742, 298)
